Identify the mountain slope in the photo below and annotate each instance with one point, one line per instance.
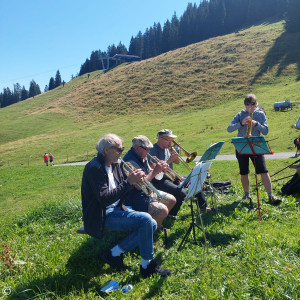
(165, 91)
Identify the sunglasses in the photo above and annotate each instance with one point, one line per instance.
(251, 103)
(145, 148)
(120, 150)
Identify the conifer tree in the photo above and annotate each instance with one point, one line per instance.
(140, 44)
(51, 84)
(292, 17)
(146, 44)
(186, 33)
(121, 49)
(7, 97)
(34, 89)
(158, 37)
(236, 14)
(174, 33)
(166, 41)
(133, 49)
(17, 93)
(57, 79)
(24, 93)
(85, 68)
(152, 43)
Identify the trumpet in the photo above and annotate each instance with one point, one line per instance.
(249, 125)
(145, 185)
(170, 173)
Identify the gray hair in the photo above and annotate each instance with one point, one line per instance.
(107, 141)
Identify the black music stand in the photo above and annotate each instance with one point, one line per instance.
(254, 145)
(196, 179)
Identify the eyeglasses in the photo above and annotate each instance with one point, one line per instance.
(145, 148)
(120, 150)
(251, 103)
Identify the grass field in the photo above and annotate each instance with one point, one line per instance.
(242, 259)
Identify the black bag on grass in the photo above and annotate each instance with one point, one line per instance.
(292, 186)
(221, 186)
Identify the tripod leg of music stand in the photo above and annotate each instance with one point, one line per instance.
(185, 236)
(251, 204)
(194, 224)
(192, 227)
(166, 240)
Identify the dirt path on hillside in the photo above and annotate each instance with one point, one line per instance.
(281, 155)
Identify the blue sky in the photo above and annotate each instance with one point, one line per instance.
(39, 37)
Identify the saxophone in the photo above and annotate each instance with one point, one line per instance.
(249, 125)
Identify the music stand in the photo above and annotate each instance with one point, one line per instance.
(254, 145)
(197, 178)
(210, 153)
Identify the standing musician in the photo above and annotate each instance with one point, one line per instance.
(253, 120)
(103, 190)
(162, 150)
(158, 207)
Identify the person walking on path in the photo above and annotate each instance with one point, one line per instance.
(46, 158)
(51, 157)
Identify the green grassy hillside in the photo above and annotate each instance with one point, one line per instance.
(41, 256)
(195, 91)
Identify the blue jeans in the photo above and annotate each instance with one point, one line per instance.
(140, 224)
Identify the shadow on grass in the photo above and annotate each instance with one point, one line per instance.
(214, 239)
(284, 52)
(83, 272)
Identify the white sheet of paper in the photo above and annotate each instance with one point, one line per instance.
(198, 177)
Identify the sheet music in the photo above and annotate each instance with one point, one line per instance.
(197, 178)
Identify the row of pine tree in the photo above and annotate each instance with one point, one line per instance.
(199, 22)
(9, 97)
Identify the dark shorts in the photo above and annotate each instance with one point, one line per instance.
(243, 161)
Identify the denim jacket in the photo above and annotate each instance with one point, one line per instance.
(96, 196)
